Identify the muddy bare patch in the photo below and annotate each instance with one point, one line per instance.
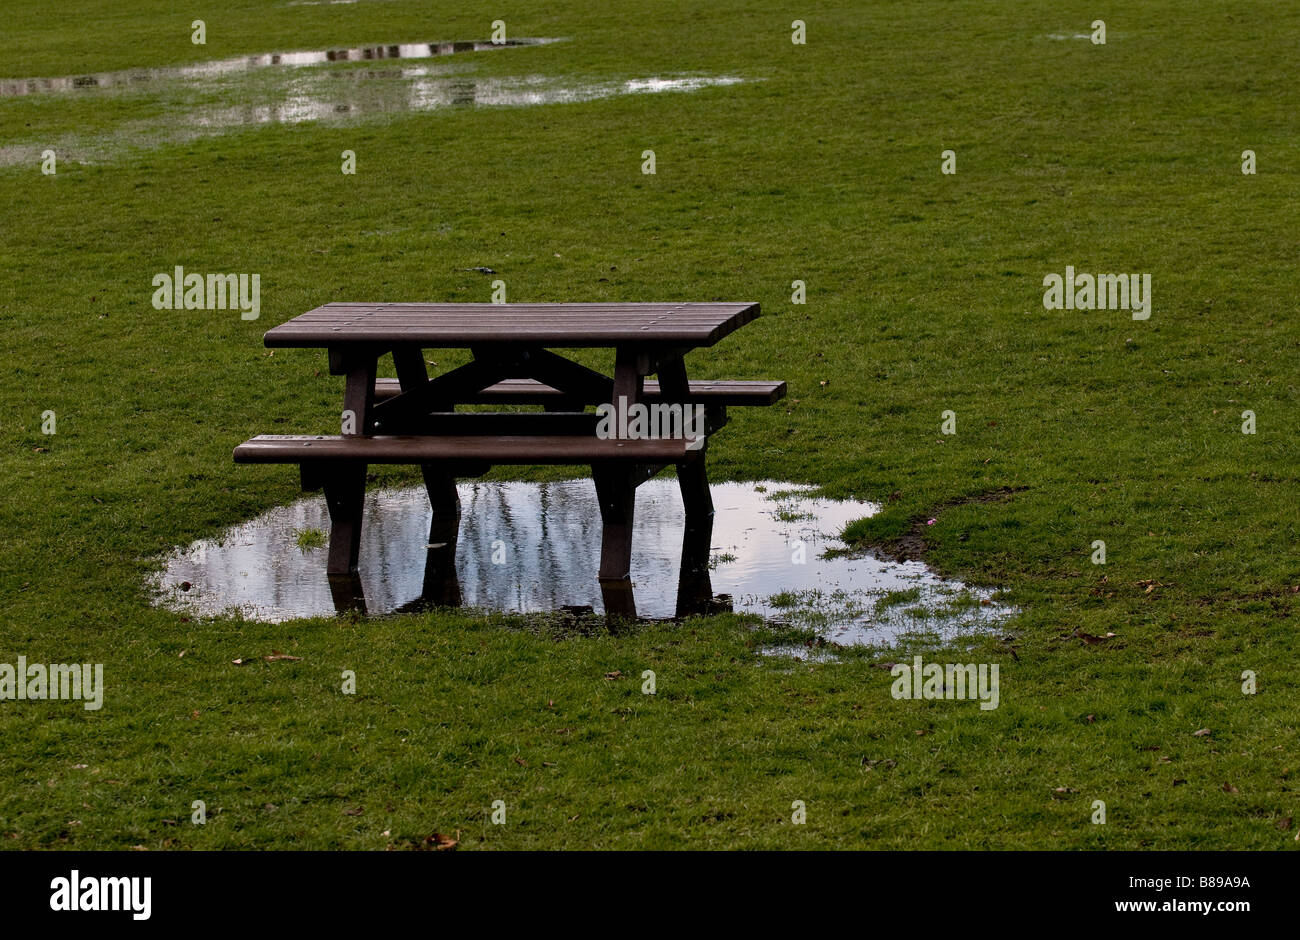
(911, 545)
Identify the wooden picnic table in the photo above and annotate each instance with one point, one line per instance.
(413, 420)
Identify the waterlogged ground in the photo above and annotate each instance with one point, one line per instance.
(527, 548)
(923, 294)
(366, 83)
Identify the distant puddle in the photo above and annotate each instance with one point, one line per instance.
(350, 95)
(211, 98)
(524, 547)
(224, 67)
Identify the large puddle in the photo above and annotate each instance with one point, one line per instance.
(335, 86)
(527, 547)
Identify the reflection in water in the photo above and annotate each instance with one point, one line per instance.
(526, 547)
(329, 95)
(223, 67)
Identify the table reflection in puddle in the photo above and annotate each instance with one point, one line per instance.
(528, 548)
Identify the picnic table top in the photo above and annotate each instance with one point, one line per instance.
(549, 324)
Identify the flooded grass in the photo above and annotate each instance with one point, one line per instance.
(206, 71)
(923, 294)
(156, 107)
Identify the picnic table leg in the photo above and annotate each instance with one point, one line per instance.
(692, 475)
(619, 601)
(616, 491)
(359, 394)
(693, 479)
(630, 369)
(440, 485)
(615, 485)
(441, 586)
(345, 497)
(345, 485)
(694, 584)
(348, 594)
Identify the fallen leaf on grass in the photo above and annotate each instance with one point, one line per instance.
(277, 657)
(1229, 788)
(1204, 732)
(616, 674)
(440, 843)
(521, 762)
(354, 811)
(1091, 637)
(1283, 824)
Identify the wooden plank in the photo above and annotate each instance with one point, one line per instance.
(506, 423)
(513, 449)
(565, 325)
(531, 423)
(532, 392)
(571, 379)
(417, 399)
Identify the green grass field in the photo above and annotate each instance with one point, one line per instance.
(924, 294)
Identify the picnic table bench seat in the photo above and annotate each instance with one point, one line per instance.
(472, 448)
(338, 464)
(531, 392)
